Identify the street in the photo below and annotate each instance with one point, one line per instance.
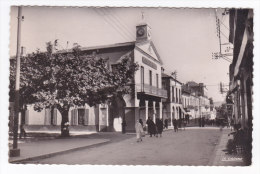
(193, 146)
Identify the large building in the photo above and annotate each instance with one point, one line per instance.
(241, 68)
(144, 102)
(241, 73)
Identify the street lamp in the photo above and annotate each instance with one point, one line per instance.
(15, 151)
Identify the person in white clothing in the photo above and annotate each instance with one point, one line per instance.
(139, 131)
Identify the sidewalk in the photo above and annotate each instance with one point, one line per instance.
(221, 158)
(47, 146)
(50, 147)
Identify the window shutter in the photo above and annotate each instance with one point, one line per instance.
(72, 122)
(55, 116)
(26, 117)
(47, 118)
(75, 116)
(86, 116)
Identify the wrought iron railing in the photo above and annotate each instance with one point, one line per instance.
(151, 90)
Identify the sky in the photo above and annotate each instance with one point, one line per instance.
(185, 38)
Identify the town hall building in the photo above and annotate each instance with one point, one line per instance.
(145, 101)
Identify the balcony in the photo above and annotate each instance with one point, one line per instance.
(151, 90)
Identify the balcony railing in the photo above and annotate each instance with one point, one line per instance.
(151, 90)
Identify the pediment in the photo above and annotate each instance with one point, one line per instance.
(149, 48)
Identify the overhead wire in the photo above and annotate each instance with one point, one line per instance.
(118, 19)
(112, 25)
(115, 23)
(225, 58)
(224, 25)
(224, 35)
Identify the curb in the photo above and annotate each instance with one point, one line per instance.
(58, 153)
(215, 156)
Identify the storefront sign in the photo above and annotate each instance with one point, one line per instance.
(149, 63)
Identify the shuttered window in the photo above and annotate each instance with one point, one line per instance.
(74, 117)
(86, 118)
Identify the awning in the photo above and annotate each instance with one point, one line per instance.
(182, 110)
(186, 110)
(228, 97)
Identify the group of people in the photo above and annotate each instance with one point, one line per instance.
(154, 129)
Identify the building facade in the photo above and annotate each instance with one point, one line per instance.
(145, 100)
(172, 105)
(197, 103)
(240, 91)
(241, 68)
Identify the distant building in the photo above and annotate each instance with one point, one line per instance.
(172, 105)
(197, 104)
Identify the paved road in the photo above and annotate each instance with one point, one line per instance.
(189, 147)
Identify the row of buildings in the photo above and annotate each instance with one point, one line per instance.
(239, 96)
(156, 93)
(241, 69)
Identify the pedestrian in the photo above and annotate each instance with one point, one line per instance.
(22, 131)
(179, 121)
(231, 124)
(151, 127)
(141, 122)
(199, 122)
(139, 131)
(159, 126)
(203, 122)
(175, 125)
(222, 124)
(184, 124)
(166, 123)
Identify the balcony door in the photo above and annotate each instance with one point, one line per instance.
(142, 78)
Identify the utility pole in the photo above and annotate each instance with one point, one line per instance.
(200, 121)
(15, 151)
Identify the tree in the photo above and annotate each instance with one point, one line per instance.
(68, 79)
(222, 111)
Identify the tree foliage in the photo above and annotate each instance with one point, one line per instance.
(70, 79)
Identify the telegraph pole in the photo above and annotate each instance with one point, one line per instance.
(200, 112)
(15, 151)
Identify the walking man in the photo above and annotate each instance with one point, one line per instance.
(139, 131)
(166, 123)
(151, 127)
(175, 125)
(159, 126)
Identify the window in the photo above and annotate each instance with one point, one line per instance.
(83, 116)
(151, 77)
(179, 95)
(81, 113)
(164, 85)
(173, 97)
(157, 81)
(142, 78)
(53, 116)
(177, 100)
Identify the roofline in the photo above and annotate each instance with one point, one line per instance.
(169, 76)
(148, 55)
(100, 47)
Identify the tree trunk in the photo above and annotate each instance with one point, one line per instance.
(64, 121)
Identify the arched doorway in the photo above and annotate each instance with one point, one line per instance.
(116, 113)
